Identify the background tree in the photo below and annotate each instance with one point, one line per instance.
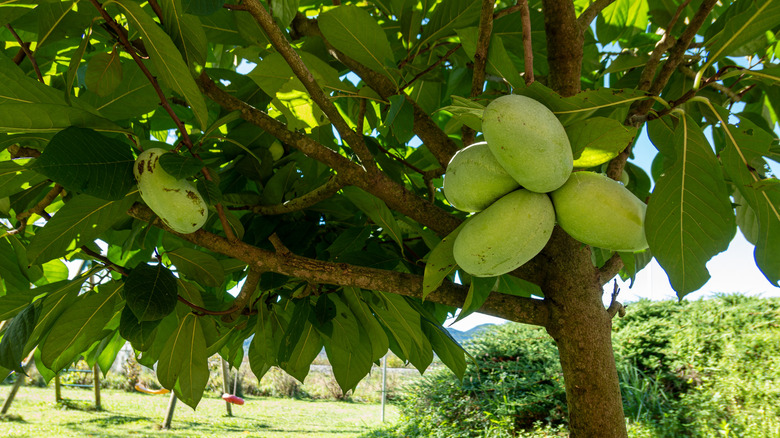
(318, 133)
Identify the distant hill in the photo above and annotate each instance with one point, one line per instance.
(462, 336)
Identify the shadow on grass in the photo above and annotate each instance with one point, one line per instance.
(77, 405)
(12, 418)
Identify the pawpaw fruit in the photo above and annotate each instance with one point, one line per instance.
(507, 234)
(601, 212)
(175, 201)
(529, 142)
(475, 179)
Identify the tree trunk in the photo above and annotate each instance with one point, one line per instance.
(582, 329)
(578, 322)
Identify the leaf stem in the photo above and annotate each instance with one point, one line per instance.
(25, 47)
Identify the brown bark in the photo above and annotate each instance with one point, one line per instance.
(525, 310)
(582, 329)
(578, 322)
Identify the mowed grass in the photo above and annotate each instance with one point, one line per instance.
(35, 414)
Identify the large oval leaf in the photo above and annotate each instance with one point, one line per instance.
(151, 292)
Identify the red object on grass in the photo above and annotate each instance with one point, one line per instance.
(230, 398)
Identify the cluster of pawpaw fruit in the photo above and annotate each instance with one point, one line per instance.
(520, 182)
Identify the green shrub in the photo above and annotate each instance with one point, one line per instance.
(708, 368)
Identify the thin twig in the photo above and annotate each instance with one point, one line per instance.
(247, 291)
(321, 193)
(157, 10)
(202, 310)
(485, 30)
(528, 47)
(278, 245)
(506, 11)
(106, 262)
(39, 209)
(615, 306)
(430, 67)
(26, 49)
(665, 43)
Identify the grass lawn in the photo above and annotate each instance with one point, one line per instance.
(35, 414)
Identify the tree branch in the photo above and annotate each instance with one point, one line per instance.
(664, 44)
(480, 61)
(395, 195)
(279, 41)
(525, 310)
(587, 16)
(637, 114)
(433, 137)
(39, 209)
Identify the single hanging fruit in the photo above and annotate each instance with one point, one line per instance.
(176, 201)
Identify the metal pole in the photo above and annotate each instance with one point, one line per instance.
(96, 385)
(169, 414)
(384, 385)
(226, 385)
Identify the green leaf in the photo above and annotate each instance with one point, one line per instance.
(171, 68)
(621, 18)
(351, 30)
(263, 349)
(447, 17)
(132, 97)
(16, 337)
(498, 62)
(15, 178)
(745, 146)
(583, 104)
(368, 323)
(82, 160)
(18, 117)
(194, 372)
(347, 347)
(79, 222)
(59, 298)
(10, 271)
(210, 191)
(440, 263)
(284, 10)
(689, 217)
(511, 285)
(180, 166)
(742, 23)
(183, 362)
(139, 333)
(151, 292)
(13, 302)
(202, 7)
(446, 348)
(79, 326)
(104, 73)
(109, 348)
(377, 210)
(597, 140)
(198, 266)
(479, 290)
(403, 323)
(186, 32)
(466, 111)
(300, 355)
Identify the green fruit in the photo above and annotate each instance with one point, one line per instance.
(176, 201)
(277, 150)
(505, 235)
(529, 142)
(474, 179)
(601, 212)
